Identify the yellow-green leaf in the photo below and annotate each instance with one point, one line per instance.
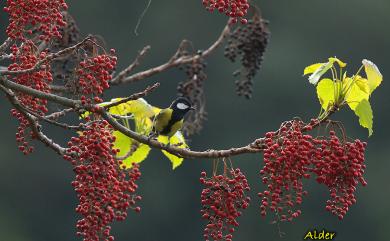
(355, 91)
(139, 155)
(125, 144)
(374, 76)
(312, 68)
(321, 69)
(326, 92)
(138, 107)
(364, 112)
(176, 139)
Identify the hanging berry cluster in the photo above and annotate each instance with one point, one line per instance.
(29, 16)
(249, 42)
(222, 200)
(291, 156)
(105, 191)
(236, 9)
(26, 57)
(192, 88)
(340, 166)
(94, 74)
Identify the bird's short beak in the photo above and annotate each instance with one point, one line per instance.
(192, 108)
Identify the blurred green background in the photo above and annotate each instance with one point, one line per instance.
(37, 201)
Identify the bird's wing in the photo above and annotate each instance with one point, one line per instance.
(162, 119)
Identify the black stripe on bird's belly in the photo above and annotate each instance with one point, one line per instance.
(176, 116)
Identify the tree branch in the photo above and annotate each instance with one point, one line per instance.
(48, 58)
(35, 127)
(256, 146)
(173, 62)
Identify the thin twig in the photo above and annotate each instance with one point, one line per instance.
(132, 66)
(141, 17)
(134, 96)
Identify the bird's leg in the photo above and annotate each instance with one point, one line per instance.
(152, 136)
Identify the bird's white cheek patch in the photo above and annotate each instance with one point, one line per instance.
(182, 106)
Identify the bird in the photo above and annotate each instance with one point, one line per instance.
(169, 120)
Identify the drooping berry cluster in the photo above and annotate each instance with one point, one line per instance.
(291, 156)
(249, 42)
(222, 200)
(26, 57)
(30, 16)
(286, 162)
(94, 75)
(192, 88)
(236, 9)
(105, 191)
(340, 166)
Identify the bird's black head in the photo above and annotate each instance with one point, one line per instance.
(181, 105)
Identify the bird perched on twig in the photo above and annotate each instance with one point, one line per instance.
(168, 121)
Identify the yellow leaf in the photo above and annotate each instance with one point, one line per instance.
(364, 112)
(355, 92)
(326, 92)
(374, 76)
(173, 141)
(122, 142)
(311, 68)
(125, 144)
(362, 83)
(137, 107)
(139, 155)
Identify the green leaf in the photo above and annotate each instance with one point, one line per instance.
(364, 112)
(374, 76)
(173, 141)
(326, 92)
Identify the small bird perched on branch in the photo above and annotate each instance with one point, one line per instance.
(168, 121)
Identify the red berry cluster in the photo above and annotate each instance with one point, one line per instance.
(236, 9)
(340, 166)
(25, 57)
(291, 156)
(222, 200)
(286, 163)
(105, 191)
(94, 74)
(28, 16)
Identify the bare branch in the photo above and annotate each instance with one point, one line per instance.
(5, 45)
(35, 127)
(39, 94)
(132, 66)
(173, 62)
